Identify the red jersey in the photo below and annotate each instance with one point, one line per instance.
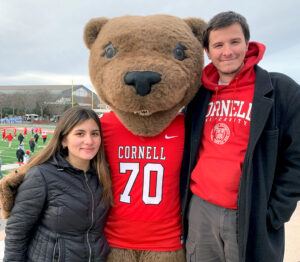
(44, 134)
(9, 137)
(145, 177)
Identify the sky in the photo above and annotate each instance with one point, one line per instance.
(41, 41)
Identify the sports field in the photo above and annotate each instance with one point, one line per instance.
(8, 154)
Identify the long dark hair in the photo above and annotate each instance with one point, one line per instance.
(72, 117)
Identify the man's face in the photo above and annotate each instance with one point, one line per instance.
(227, 50)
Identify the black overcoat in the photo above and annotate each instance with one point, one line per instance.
(270, 182)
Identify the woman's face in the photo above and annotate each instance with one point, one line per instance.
(83, 143)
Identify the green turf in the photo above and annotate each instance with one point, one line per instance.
(8, 155)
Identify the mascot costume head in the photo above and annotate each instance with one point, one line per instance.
(145, 68)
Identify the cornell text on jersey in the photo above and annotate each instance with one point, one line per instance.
(141, 152)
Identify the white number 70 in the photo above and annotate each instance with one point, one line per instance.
(135, 168)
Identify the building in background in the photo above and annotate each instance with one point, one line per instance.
(46, 100)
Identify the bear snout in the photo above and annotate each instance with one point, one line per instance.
(142, 81)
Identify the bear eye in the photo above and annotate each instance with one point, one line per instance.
(110, 51)
(179, 52)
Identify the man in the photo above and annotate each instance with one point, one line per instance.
(9, 139)
(20, 138)
(44, 136)
(36, 137)
(3, 134)
(241, 167)
(20, 154)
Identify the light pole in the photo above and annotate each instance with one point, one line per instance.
(72, 96)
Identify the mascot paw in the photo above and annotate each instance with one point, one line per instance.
(8, 189)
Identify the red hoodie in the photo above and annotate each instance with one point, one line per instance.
(216, 177)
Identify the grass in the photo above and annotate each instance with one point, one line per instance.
(8, 155)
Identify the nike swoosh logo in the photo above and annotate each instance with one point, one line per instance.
(170, 137)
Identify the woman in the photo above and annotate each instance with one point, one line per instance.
(61, 206)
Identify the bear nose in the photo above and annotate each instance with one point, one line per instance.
(142, 81)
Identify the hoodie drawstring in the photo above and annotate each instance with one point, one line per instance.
(216, 99)
(232, 101)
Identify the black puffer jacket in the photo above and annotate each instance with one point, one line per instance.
(58, 216)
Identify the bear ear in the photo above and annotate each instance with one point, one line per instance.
(198, 27)
(92, 30)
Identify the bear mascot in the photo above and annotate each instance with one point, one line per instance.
(146, 69)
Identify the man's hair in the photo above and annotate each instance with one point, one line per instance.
(225, 19)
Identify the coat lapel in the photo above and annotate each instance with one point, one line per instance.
(262, 105)
(198, 119)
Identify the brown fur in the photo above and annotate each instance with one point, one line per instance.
(8, 189)
(126, 255)
(145, 43)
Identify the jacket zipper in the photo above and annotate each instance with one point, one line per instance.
(58, 251)
(87, 233)
(54, 257)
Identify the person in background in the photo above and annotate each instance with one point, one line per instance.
(36, 137)
(61, 206)
(26, 156)
(9, 139)
(20, 154)
(21, 145)
(20, 138)
(241, 168)
(3, 134)
(44, 136)
(31, 144)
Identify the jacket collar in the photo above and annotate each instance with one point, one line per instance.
(263, 83)
(62, 164)
(262, 104)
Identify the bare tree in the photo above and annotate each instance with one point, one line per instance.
(17, 103)
(3, 103)
(12, 100)
(42, 99)
(28, 102)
